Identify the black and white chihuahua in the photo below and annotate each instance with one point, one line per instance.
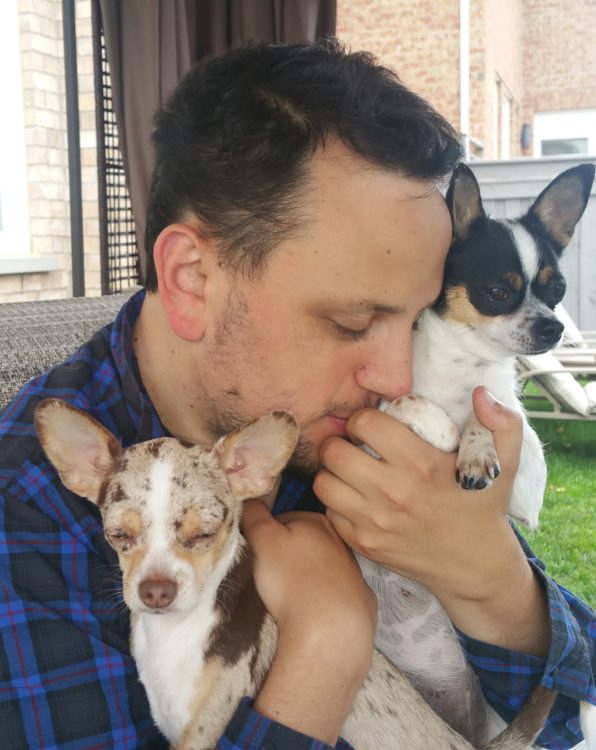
(502, 282)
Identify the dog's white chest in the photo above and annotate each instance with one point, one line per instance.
(449, 364)
(169, 652)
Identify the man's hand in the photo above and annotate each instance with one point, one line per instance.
(326, 616)
(407, 512)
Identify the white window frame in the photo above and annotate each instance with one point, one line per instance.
(563, 125)
(15, 241)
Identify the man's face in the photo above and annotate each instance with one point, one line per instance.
(327, 328)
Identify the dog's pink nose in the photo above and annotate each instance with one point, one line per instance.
(158, 592)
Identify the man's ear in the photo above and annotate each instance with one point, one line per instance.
(183, 260)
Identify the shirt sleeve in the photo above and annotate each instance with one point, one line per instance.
(249, 730)
(507, 677)
(67, 679)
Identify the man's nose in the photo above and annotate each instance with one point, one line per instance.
(387, 371)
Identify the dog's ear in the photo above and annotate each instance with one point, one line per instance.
(561, 204)
(81, 450)
(463, 200)
(254, 455)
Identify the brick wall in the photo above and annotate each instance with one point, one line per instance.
(42, 70)
(559, 55)
(479, 80)
(419, 39)
(543, 53)
(501, 39)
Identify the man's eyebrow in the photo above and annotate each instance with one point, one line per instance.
(374, 306)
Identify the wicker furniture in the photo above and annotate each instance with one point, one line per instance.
(35, 336)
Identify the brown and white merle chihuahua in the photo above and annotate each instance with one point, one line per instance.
(201, 636)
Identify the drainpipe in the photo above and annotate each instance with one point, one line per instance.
(74, 149)
(464, 75)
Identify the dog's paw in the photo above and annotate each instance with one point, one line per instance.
(426, 419)
(476, 475)
(477, 462)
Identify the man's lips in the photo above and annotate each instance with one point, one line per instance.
(339, 423)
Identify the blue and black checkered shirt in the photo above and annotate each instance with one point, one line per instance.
(67, 679)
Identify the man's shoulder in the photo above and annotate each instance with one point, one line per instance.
(88, 379)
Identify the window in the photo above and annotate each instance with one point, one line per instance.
(565, 132)
(564, 146)
(14, 215)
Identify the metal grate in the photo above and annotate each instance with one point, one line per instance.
(118, 244)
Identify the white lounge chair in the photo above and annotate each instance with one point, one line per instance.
(566, 377)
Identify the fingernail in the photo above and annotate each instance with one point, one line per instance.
(492, 399)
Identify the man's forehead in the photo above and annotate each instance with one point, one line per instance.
(335, 161)
(372, 241)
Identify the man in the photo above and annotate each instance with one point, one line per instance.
(296, 232)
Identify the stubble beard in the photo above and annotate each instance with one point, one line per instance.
(305, 458)
(226, 413)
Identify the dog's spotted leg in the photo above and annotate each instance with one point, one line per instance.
(477, 462)
(426, 419)
(587, 719)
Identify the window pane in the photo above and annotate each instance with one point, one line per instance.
(564, 146)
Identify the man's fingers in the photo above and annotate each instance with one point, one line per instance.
(505, 424)
(343, 527)
(256, 520)
(389, 437)
(338, 495)
(347, 461)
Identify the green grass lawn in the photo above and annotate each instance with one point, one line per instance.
(566, 538)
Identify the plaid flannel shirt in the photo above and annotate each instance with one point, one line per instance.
(67, 679)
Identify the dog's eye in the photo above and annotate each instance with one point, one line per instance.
(497, 294)
(120, 538)
(202, 539)
(558, 290)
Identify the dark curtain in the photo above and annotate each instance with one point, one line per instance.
(152, 43)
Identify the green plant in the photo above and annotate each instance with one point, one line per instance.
(566, 539)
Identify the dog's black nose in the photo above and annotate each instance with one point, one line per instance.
(547, 331)
(158, 593)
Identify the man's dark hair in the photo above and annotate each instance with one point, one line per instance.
(233, 143)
